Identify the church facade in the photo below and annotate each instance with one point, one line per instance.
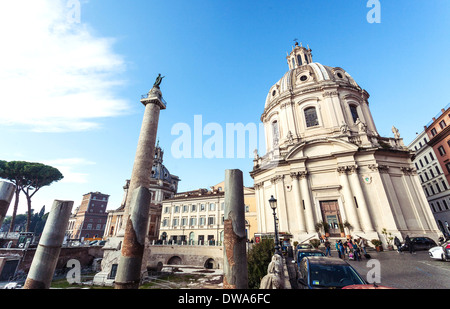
(326, 163)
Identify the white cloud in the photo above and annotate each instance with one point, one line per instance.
(68, 167)
(56, 76)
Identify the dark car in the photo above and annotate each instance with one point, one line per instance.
(308, 252)
(326, 273)
(419, 243)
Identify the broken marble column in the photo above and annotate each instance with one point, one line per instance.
(235, 240)
(129, 269)
(6, 195)
(46, 257)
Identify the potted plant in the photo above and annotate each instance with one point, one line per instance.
(378, 244)
(315, 243)
(349, 228)
(341, 228)
(318, 228)
(389, 239)
(326, 228)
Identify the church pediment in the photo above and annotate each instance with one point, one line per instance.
(320, 148)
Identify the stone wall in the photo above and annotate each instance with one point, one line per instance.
(85, 255)
(205, 256)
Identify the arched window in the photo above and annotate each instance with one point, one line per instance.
(299, 59)
(275, 133)
(354, 112)
(311, 117)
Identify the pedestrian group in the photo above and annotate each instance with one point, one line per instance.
(353, 249)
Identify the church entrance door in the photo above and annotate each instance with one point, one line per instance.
(330, 214)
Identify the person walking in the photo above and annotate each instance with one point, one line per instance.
(351, 254)
(362, 245)
(410, 244)
(327, 247)
(341, 250)
(356, 252)
(338, 249)
(397, 243)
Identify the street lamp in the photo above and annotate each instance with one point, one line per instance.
(273, 205)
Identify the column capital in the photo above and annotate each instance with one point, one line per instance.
(154, 96)
(347, 168)
(277, 179)
(352, 168)
(342, 170)
(378, 168)
(303, 174)
(408, 170)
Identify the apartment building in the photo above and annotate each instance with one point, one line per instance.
(197, 217)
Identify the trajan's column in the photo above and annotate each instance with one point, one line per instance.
(140, 178)
(143, 161)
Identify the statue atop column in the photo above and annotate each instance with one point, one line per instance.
(158, 81)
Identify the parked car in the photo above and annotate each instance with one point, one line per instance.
(316, 272)
(304, 246)
(308, 252)
(420, 243)
(441, 252)
(366, 287)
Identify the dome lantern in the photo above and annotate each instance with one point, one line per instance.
(299, 56)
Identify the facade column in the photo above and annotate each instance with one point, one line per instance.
(349, 204)
(423, 200)
(258, 203)
(416, 202)
(298, 203)
(262, 209)
(362, 205)
(388, 202)
(307, 200)
(282, 207)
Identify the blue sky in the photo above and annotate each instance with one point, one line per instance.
(74, 71)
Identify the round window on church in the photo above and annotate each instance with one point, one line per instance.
(303, 78)
(339, 75)
(274, 93)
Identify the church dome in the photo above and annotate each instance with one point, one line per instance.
(305, 74)
(314, 101)
(159, 171)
